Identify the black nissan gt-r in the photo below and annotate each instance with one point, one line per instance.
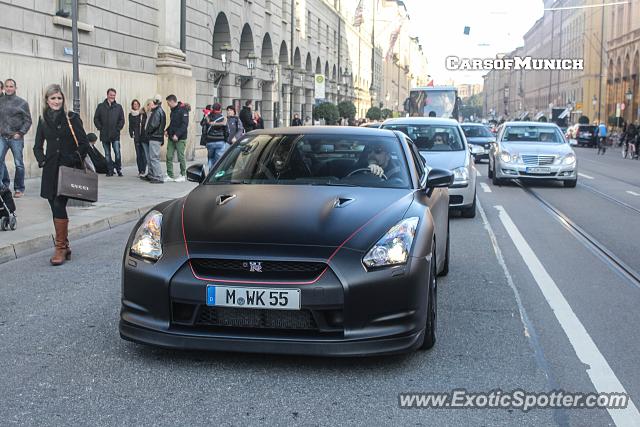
(294, 243)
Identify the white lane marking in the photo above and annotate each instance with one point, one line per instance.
(585, 175)
(598, 369)
(485, 187)
(633, 193)
(478, 172)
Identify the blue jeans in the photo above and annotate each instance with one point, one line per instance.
(111, 165)
(4, 174)
(17, 147)
(215, 150)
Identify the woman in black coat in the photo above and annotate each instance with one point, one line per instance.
(137, 121)
(62, 149)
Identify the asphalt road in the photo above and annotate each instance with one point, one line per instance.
(500, 327)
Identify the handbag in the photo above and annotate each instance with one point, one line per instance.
(79, 184)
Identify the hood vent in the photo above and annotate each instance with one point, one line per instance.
(341, 202)
(224, 198)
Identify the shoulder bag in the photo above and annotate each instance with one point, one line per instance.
(79, 184)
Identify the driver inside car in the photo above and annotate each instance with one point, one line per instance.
(381, 163)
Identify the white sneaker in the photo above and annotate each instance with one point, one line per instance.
(168, 179)
(181, 178)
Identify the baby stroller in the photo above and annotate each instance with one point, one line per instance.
(8, 218)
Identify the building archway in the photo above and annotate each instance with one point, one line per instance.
(221, 35)
(246, 42)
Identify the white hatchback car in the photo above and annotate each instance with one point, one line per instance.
(532, 150)
(442, 144)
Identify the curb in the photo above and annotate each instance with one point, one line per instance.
(36, 244)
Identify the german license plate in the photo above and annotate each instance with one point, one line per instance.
(265, 298)
(538, 170)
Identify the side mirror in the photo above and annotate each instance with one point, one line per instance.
(196, 173)
(439, 178)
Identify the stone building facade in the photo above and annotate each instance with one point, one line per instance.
(203, 51)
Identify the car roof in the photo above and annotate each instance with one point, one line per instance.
(472, 124)
(420, 121)
(325, 130)
(527, 124)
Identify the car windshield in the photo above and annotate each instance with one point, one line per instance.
(476, 131)
(313, 160)
(532, 134)
(431, 137)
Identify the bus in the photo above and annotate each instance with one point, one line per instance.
(442, 101)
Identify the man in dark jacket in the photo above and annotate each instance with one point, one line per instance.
(15, 122)
(246, 117)
(155, 134)
(109, 120)
(177, 134)
(235, 129)
(296, 120)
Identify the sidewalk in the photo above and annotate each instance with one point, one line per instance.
(120, 200)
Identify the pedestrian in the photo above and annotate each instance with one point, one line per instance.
(296, 120)
(109, 120)
(246, 116)
(15, 122)
(257, 120)
(601, 131)
(66, 145)
(137, 120)
(98, 160)
(4, 173)
(235, 129)
(154, 132)
(307, 121)
(215, 132)
(204, 124)
(177, 137)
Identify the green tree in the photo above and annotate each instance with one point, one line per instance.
(374, 113)
(327, 111)
(347, 109)
(386, 113)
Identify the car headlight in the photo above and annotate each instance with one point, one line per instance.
(460, 174)
(394, 247)
(569, 159)
(505, 157)
(147, 242)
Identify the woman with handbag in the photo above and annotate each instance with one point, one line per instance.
(66, 145)
(137, 122)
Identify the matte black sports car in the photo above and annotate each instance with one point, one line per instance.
(323, 240)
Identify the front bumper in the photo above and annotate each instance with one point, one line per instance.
(462, 196)
(355, 312)
(520, 171)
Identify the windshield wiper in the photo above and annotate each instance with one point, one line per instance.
(335, 184)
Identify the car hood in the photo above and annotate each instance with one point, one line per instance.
(445, 159)
(536, 148)
(481, 139)
(289, 215)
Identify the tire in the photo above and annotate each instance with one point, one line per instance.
(4, 223)
(470, 212)
(489, 170)
(570, 184)
(13, 222)
(445, 267)
(496, 181)
(432, 308)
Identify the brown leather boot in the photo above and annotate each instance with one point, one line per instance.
(60, 253)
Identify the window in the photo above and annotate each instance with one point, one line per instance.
(319, 29)
(309, 23)
(327, 35)
(64, 6)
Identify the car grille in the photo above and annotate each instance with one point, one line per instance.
(265, 270)
(255, 318)
(538, 160)
(455, 199)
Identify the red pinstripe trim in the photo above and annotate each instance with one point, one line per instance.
(257, 282)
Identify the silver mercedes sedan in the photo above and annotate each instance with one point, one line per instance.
(532, 150)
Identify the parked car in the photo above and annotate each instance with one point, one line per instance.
(479, 138)
(532, 150)
(294, 243)
(586, 135)
(443, 145)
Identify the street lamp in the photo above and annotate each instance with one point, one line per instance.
(628, 95)
(251, 62)
(226, 61)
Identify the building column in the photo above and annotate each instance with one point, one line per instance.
(309, 103)
(267, 103)
(174, 74)
(298, 99)
(285, 93)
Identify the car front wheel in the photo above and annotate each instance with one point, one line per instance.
(470, 211)
(570, 184)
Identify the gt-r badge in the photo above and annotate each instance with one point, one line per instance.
(255, 267)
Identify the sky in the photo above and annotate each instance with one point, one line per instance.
(497, 26)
